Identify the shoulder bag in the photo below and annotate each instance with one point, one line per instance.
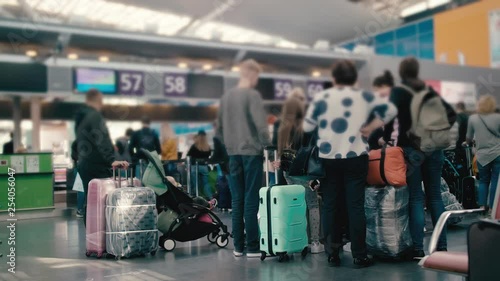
(307, 165)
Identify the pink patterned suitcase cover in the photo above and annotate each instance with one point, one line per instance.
(96, 219)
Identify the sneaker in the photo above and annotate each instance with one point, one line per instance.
(237, 254)
(79, 214)
(316, 247)
(347, 247)
(363, 262)
(418, 254)
(254, 255)
(334, 260)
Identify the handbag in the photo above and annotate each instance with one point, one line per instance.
(78, 185)
(307, 165)
(286, 159)
(387, 166)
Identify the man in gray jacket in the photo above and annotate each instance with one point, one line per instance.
(244, 131)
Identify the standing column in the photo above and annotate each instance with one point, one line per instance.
(17, 117)
(36, 116)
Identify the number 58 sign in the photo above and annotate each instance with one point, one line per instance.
(175, 85)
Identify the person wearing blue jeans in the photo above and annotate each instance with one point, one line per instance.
(245, 181)
(484, 129)
(80, 204)
(202, 180)
(488, 181)
(421, 167)
(242, 128)
(426, 168)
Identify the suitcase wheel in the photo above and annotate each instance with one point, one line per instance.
(99, 255)
(222, 241)
(283, 257)
(263, 255)
(304, 252)
(169, 245)
(153, 253)
(87, 254)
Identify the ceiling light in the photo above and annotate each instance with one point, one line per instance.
(207, 67)
(316, 74)
(436, 3)
(31, 53)
(103, 59)
(414, 9)
(72, 56)
(235, 69)
(182, 65)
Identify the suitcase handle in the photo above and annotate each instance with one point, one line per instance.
(266, 158)
(119, 169)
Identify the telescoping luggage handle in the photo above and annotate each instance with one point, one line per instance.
(266, 157)
(469, 156)
(129, 179)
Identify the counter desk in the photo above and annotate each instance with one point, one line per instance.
(32, 176)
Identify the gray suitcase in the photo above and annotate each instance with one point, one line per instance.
(131, 222)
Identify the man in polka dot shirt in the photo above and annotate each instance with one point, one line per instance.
(341, 115)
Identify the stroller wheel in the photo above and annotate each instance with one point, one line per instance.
(222, 241)
(169, 245)
(212, 237)
(161, 242)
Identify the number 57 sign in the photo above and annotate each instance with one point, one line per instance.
(131, 83)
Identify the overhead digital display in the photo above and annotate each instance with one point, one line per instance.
(23, 77)
(103, 80)
(265, 86)
(205, 86)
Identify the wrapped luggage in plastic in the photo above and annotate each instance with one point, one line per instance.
(450, 202)
(131, 222)
(387, 221)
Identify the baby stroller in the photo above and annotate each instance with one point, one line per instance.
(192, 221)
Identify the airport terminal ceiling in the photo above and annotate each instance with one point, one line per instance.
(279, 23)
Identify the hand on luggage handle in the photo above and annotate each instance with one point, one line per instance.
(118, 165)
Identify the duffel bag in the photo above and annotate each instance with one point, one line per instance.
(387, 166)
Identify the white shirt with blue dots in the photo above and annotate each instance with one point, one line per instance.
(339, 114)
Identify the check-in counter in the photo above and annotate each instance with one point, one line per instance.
(32, 176)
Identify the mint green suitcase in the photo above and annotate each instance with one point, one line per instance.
(283, 223)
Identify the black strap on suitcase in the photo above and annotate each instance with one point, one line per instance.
(469, 200)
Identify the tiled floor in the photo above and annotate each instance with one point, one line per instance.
(54, 249)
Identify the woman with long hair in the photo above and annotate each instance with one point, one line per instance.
(292, 137)
(484, 128)
(200, 152)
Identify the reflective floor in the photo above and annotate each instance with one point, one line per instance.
(54, 249)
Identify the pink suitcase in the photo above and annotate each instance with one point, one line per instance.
(96, 219)
(96, 206)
